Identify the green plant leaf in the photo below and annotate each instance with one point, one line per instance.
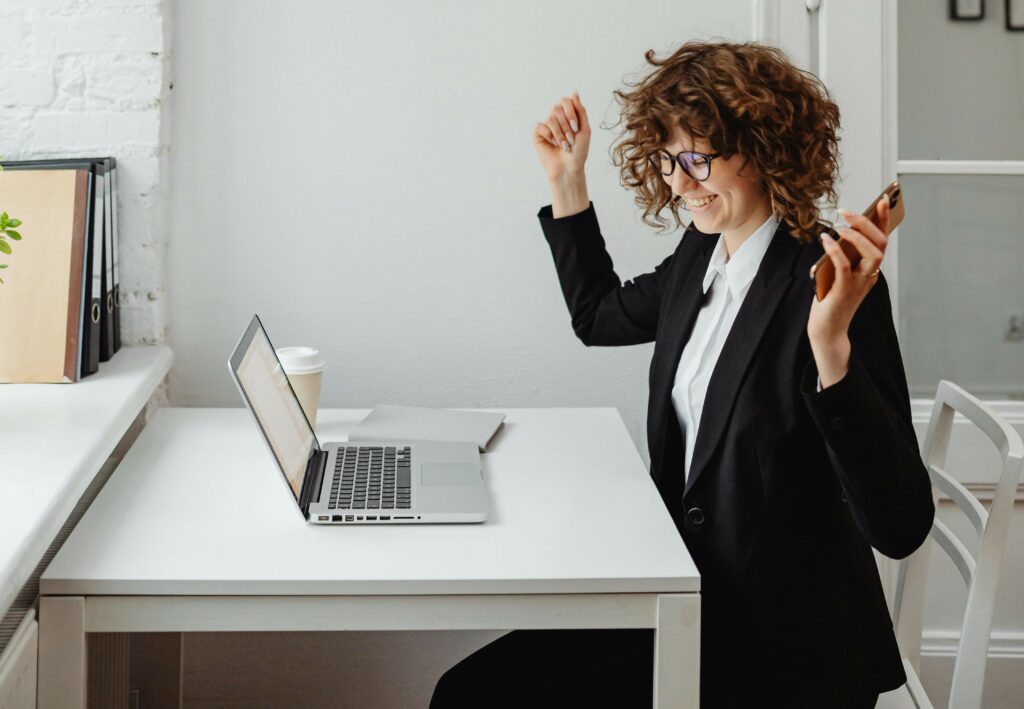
(3, 265)
(5, 247)
(4, 217)
(15, 222)
(14, 235)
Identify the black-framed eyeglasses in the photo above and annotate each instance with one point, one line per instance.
(696, 165)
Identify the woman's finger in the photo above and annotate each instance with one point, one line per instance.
(558, 112)
(542, 130)
(560, 128)
(839, 260)
(882, 210)
(866, 227)
(570, 115)
(870, 255)
(581, 111)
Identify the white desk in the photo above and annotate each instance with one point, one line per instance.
(577, 538)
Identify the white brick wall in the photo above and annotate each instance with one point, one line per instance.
(82, 78)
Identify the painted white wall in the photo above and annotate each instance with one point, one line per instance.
(526, 345)
(362, 176)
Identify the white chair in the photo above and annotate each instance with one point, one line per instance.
(981, 575)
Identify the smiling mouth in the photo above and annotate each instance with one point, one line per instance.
(702, 202)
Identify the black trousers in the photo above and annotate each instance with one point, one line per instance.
(585, 668)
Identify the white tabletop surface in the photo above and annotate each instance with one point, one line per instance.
(198, 507)
(54, 438)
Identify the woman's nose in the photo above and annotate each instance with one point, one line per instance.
(681, 182)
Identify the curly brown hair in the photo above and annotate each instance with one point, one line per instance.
(745, 99)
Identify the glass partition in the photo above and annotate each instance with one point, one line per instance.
(961, 283)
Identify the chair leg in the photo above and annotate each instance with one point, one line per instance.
(915, 687)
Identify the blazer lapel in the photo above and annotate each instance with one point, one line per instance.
(685, 302)
(773, 278)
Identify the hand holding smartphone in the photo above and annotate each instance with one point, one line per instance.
(824, 272)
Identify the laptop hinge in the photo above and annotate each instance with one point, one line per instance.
(312, 480)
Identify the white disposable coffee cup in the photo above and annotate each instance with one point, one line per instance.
(304, 367)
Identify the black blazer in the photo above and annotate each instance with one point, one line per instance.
(790, 487)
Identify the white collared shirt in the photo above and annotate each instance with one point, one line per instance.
(728, 280)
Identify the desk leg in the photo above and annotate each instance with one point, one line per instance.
(677, 652)
(62, 654)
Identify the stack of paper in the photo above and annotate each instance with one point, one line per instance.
(410, 423)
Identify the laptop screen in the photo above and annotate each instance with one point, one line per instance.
(269, 396)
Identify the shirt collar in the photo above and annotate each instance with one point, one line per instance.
(740, 270)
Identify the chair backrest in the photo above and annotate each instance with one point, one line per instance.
(981, 574)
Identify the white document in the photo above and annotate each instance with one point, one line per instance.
(410, 423)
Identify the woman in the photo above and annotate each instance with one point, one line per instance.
(779, 425)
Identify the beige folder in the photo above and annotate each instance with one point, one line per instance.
(41, 297)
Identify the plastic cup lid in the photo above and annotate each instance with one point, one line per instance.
(301, 360)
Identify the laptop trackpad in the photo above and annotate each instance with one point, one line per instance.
(449, 474)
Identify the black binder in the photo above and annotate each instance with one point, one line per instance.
(89, 341)
(112, 186)
(107, 275)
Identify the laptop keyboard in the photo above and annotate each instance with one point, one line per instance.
(372, 478)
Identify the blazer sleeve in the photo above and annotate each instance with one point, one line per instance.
(865, 421)
(604, 311)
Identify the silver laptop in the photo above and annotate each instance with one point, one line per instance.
(390, 482)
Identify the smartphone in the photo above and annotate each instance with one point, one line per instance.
(824, 273)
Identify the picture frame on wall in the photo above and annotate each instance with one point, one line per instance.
(1015, 15)
(967, 10)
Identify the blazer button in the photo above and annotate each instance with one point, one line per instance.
(695, 515)
(838, 423)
